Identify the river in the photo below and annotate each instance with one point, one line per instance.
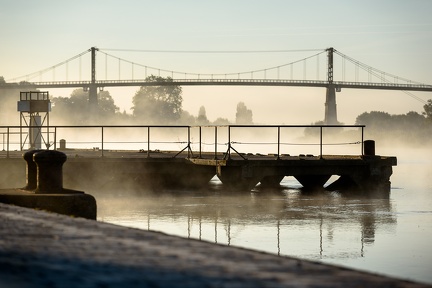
(390, 236)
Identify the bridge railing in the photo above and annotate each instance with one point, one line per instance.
(217, 142)
(408, 86)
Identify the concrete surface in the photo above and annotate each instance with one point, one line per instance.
(40, 249)
(69, 202)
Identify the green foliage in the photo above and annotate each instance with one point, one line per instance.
(158, 104)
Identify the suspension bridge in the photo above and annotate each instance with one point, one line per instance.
(352, 75)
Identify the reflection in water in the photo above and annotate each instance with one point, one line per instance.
(284, 222)
(387, 236)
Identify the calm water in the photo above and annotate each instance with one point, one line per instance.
(386, 236)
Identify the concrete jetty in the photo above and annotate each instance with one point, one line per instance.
(159, 169)
(40, 249)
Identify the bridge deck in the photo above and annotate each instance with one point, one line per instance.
(220, 82)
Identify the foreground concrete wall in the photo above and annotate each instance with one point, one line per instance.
(39, 249)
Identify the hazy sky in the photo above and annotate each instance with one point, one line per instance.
(392, 35)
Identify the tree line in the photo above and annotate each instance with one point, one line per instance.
(151, 105)
(412, 128)
(162, 105)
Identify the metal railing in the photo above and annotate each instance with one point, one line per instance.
(145, 138)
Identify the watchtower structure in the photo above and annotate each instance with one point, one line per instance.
(34, 108)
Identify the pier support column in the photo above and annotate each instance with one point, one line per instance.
(312, 182)
(238, 178)
(272, 181)
(330, 106)
(373, 181)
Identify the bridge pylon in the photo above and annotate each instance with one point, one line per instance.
(330, 106)
(93, 98)
(330, 117)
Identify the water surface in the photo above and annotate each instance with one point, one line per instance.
(385, 236)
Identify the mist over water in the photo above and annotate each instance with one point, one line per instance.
(385, 236)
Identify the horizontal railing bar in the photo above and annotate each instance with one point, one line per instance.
(186, 126)
(102, 140)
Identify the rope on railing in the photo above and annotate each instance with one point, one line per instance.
(302, 144)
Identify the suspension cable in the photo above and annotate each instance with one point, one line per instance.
(376, 72)
(215, 74)
(34, 74)
(212, 51)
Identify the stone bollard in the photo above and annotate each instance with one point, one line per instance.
(62, 144)
(31, 170)
(49, 171)
(44, 189)
(369, 148)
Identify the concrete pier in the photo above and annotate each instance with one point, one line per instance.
(39, 249)
(120, 169)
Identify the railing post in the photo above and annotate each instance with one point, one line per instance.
(21, 145)
(362, 140)
(321, 144)
(148, 141)
(189, 148)
(102, 144)
(215, 156)
(229, 142)
(7, 146)
(200, 142)
(278, 148)
(48, 134)
(55, 138)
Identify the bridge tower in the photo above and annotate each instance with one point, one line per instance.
(93, 101)
(330, 104)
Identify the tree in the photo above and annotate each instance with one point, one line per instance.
(187, 119)
(75, 109)
(243, 114)
(428, 110)
(158, 104)
(374, 120)
(221, 121)
(202, 116)
(8, 107)
(106, 106)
